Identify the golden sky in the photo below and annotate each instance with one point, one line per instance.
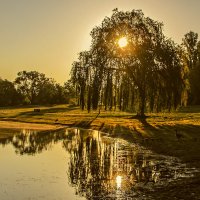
(47, 35)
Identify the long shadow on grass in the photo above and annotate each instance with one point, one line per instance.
(161, 139)
(86, 123)
(44, 111)
(164, 141)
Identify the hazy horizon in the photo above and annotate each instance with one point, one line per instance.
(47, 35)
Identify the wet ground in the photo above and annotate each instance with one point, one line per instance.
(86, 164)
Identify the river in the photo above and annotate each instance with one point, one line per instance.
(82, 164)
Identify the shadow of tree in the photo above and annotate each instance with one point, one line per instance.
(160, 139)
(44, 111)
(85, 123)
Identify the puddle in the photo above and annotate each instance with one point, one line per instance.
(82, 164)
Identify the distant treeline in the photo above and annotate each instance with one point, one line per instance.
(151, 73)
(31, 88)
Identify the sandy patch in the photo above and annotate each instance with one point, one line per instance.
(31, 126)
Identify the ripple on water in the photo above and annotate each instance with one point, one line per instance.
(84, 164)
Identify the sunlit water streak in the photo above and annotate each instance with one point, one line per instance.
(81, 164)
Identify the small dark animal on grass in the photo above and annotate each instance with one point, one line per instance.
(36, 110)
(56, 120)
(178, 135)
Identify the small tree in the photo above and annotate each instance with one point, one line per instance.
(29, 83)
(8, 93)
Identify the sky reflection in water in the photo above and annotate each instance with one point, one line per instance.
(81, 164)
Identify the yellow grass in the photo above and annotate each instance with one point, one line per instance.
(157, 131)
(73, 116)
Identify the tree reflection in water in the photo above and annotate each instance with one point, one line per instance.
(32, 142)
(106, 167)
(103, 167)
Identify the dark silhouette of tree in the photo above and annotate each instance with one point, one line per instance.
(29, 83)
(69, 89)
(60, 96)
(169, 77)
(80, 76)
(134, 77)
(8, 94)
(47, 93)
(36, 88)
(195, 77)
(190, 43)
(191, 46)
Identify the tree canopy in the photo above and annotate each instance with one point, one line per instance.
(145, 74)
(32, 87)
(191, 47)
(8, 93)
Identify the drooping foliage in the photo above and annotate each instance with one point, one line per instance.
(146, 74)
(191, 47)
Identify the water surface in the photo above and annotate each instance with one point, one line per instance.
(82, 164)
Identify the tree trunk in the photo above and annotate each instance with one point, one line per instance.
(142, 103)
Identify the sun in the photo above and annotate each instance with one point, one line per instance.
(122, 42)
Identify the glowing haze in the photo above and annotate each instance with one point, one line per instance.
(122, 42)
(47, 35)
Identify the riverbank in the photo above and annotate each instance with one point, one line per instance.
(9, 128)
(175, 134)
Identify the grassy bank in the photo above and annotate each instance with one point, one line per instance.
(157, 131)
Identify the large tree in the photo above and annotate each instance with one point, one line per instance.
(134, 74)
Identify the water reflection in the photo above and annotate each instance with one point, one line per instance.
(100, 167)
(119, 181)
(32, 142)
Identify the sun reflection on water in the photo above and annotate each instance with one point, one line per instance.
(98, 166)
(119, 181)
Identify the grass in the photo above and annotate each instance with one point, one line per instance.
(157, 131)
